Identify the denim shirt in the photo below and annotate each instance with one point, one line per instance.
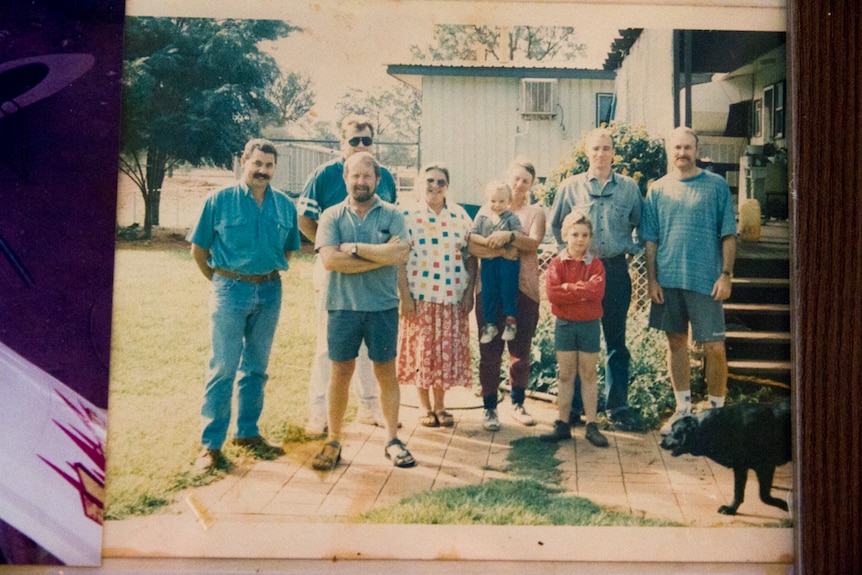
(615, 211)
(243, 237)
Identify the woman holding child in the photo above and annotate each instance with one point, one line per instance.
(521, 245)
(436, 298)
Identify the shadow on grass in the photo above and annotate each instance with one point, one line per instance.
(534, 498)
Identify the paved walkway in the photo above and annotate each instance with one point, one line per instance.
(633, 475)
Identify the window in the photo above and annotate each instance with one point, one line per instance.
(538, 99)
(778, 111)
(773, 111)
(756, 117)
(604, 109)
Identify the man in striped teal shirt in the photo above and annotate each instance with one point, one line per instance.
(689, 230)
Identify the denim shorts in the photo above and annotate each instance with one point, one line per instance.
(347, 329)
(682, 307)
(582, 336)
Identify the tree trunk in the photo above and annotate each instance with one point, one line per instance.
(156, 167)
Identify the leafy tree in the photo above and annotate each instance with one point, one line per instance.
(471, 42)
(396, 113)
(293, 96)
(194, 91)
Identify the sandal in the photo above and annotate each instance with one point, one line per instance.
(403, 458)
(430, 420)
(445, 418)
(328, 457)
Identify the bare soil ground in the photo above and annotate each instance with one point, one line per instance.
(182, 197)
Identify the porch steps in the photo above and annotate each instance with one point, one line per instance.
(758, 338)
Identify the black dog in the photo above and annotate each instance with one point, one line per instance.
(742, 436)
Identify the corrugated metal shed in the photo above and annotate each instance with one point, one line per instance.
(296, 161)
(473, 123)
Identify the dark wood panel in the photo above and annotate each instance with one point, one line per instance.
(826, 98)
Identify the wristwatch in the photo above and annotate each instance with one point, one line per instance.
(354, 251)
(728, 274)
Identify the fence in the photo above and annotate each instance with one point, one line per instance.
(639, 309)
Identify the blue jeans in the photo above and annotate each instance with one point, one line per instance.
(243, 321)
(615, 308)
(500, 286)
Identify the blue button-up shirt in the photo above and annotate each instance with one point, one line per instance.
(615, 211)
(243, 237)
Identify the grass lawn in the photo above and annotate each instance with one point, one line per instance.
(160, 344)
(159, 349)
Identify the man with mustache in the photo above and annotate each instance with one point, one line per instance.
(362, 241)
(689, 228)
(324, 189)
(244, 237)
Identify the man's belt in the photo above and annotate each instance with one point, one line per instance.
(252, 279)
(621, 257)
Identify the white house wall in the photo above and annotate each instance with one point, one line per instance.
(473, 125)
(645, 83)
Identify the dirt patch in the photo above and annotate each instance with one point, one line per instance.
(182, 198)
(162, 239)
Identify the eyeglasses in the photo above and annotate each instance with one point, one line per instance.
(440, 183)
(366, 141)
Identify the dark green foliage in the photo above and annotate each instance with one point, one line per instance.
(194, 91)
(636, 155)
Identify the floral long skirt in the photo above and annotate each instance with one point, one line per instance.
(434, 347)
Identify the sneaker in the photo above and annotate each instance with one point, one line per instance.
(489, 332)
(595, 436)
(369, 417)
(509, 332)
(259, 447)
(372, 418)
(316, 426)
(677, 415)
(492, 422)
(210, 460)
(520, 415)
(623, 420)
(561, 431)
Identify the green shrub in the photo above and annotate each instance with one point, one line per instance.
(637, 155)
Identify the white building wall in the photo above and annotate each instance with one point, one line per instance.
(645, 83)
(474, 126)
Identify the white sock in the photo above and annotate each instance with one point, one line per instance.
(683, 400)
(716, 401)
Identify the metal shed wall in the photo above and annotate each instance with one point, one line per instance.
(645, 83)
(474, 126)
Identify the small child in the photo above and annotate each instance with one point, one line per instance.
(575, 284)
(499, 275)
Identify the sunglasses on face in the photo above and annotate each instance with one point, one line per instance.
(440, 183)
(366, 141)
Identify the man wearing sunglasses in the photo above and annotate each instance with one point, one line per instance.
(325, 188)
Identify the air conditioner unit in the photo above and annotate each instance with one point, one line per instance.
(538, 99)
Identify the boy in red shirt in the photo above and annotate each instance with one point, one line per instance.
(575, 285)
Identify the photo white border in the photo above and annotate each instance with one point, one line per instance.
(631, 549)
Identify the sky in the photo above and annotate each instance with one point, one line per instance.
(348, 43)
(341, 47)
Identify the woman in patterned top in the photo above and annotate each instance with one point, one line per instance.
(436, 298)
